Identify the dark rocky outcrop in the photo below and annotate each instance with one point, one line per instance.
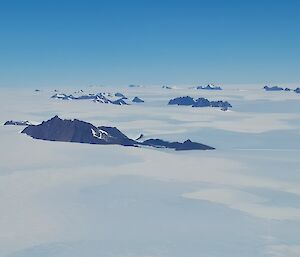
(77, 131)
(297, 90)
(137, 100)
(98, 98)
(184, 100)
(209, 87)
(222, 104)
(186, 145)
(17, 123)
(200, 102)
(119, 102)
(115, 136)
(274, 88)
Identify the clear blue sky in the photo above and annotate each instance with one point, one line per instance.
(65, 43)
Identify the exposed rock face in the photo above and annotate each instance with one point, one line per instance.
(200, 102)
(137, 100)
(210, 87)
(166, 87)
(17, 123)
(115, 136)
(186, 145)
(184, 100)
(98, 98)
(101, 99)
(77, 131)
(274, 88)
(222, 104)
(119, 102)
(57, 129)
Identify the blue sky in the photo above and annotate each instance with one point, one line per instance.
(114, 42)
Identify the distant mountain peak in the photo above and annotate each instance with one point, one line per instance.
(200, 102)
(209, 87)
(17, 123)
(137, 100)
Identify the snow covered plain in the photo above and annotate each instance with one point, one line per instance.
(76, 200)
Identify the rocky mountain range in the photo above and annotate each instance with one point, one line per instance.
(209, 87)
(57, 129)
(200, 102)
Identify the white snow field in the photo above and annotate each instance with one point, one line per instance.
(78, 200)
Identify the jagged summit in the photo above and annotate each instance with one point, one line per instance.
(209, 87)
(17, 122)
(105, 98)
